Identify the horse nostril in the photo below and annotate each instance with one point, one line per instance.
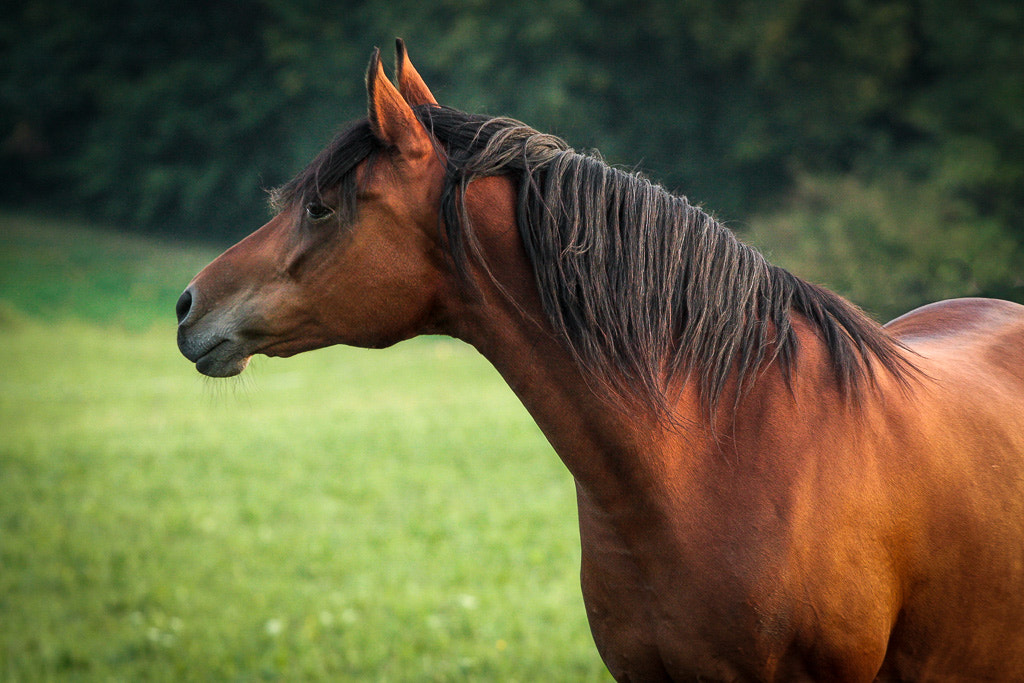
(184, 305)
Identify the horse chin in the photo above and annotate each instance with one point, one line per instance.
(223, 360)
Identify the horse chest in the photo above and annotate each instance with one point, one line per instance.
(717, 610)
(659, 615)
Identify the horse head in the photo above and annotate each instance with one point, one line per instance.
(351, 257)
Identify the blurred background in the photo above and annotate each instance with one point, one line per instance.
(351, 515)
(875, 146)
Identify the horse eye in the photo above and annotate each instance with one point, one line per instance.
(317, 211)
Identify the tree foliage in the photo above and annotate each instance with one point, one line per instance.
(860, 115)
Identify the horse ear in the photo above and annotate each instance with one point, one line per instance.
(391, 118)
(410, 83)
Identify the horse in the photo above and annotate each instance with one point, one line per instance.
(770, 485)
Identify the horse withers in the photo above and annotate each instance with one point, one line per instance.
(770, 485)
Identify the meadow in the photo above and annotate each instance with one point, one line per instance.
(342, 515)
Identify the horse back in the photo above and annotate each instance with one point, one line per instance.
(987, 334)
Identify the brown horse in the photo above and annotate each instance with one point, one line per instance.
(770, 486)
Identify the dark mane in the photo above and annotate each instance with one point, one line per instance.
(641, 286)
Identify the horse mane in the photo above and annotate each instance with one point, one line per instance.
(639, 285)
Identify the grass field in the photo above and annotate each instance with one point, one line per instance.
(343, 515)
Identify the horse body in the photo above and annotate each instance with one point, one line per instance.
(844, 544)
(797, 526)
(824, 539)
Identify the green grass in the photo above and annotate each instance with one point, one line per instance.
(342, 515)
(56, 270)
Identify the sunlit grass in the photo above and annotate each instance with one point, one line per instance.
(55, 270)
(342, 515)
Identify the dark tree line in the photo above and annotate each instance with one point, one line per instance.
(875, 145)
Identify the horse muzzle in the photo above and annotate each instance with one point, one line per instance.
(215, 352)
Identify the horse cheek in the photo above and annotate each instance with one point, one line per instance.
(376, 297)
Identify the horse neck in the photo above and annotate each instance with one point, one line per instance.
(613, 453)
